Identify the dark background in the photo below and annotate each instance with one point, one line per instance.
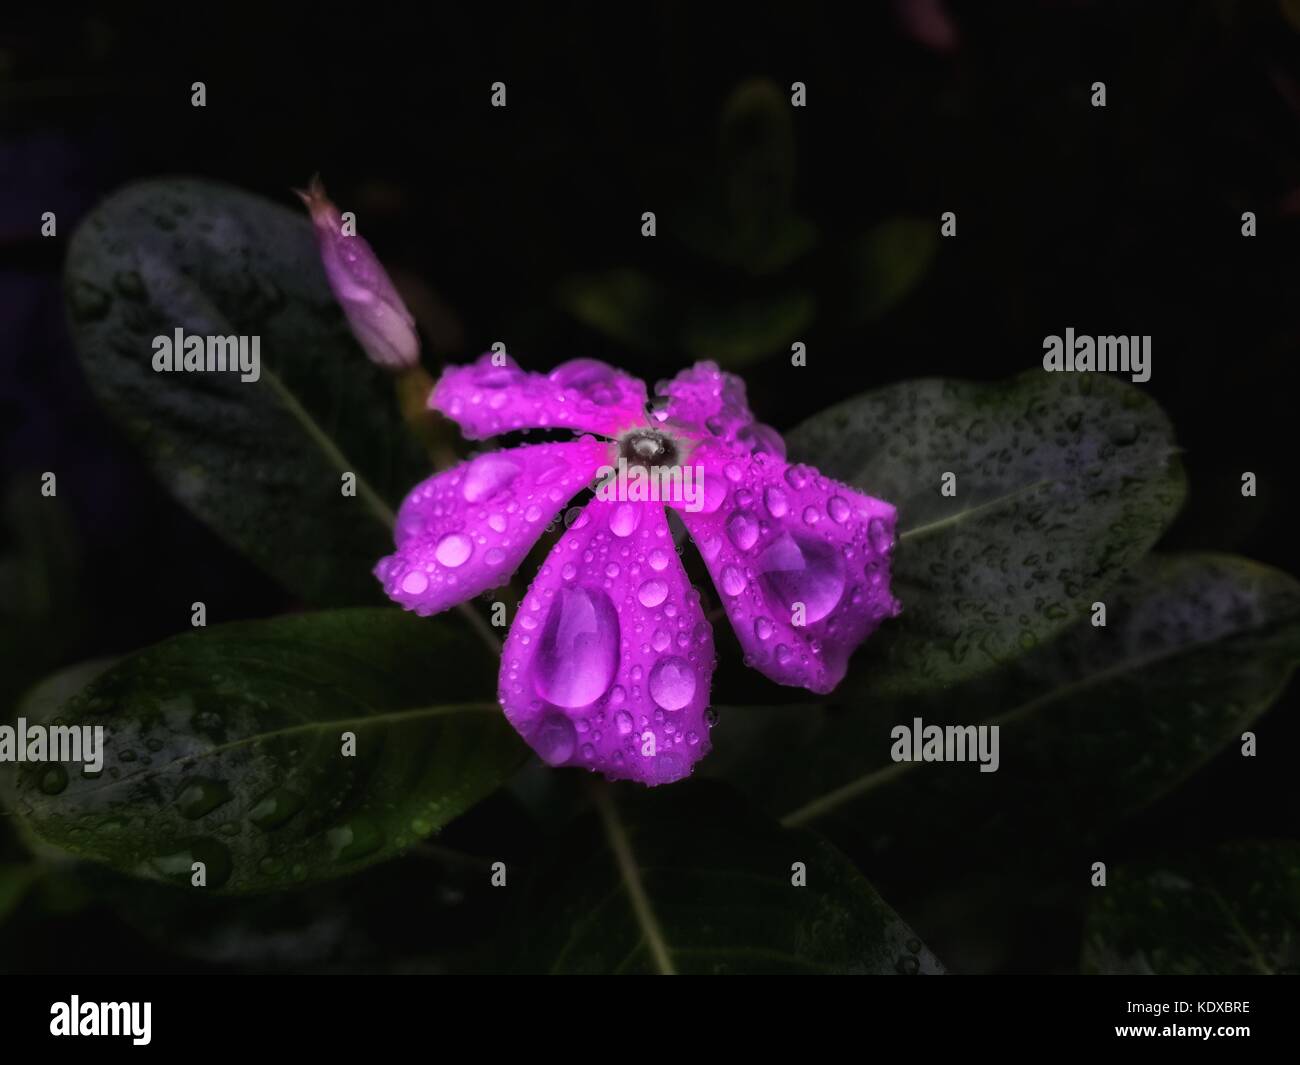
(1117, 220)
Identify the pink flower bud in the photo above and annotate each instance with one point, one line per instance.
(378, 317)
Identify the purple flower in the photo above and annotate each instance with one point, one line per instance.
(610, 657)
(378, 317)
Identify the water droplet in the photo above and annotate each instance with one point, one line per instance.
(742, 528)
(838, 510)
(555, 739)
(453, 549)
(623, 722)
(201, 796)
(624, 518)
(54, 780)
(660, 640)
(658, 560)
(533, 513)
(796, 477)
(715, 490)
(734, 471)
(670, 766)
(762, 628)
(590, 378)
(811, 515)
(354, 839)
(415, 582)
(783, 653)
(878, 535)
(178, 865)
(275, 809)
(578, 651)
(488, 476)
(652, 592)
(775, 501)
(733, 581)
(803, 571)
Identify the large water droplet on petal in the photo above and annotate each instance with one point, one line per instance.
(578, 651)
(715, 489)
(453, 549)
(652, 592)
(487, 476)
(774, 500)
(742, 528)
(672, 683)
(590, 378)
(881, 541)
(555, 739)
(838, 510)
(415, 582)
(803, 571)
(624, 518)
(733, 581)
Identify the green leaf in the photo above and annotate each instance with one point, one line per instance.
(261, 462)
(226, 746)
(742, 334)
(1091, 728)
(890, 261)
(1062, 482)
(624, 305)
(689, 879)
(1233, 911)
(15, 880)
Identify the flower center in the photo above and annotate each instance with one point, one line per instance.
(649, 448)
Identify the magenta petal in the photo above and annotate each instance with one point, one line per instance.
(784, 544)
(466, 530)
(487, 399)
(705, 397)
(609, 661)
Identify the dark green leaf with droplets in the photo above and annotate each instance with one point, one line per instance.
(1233, 911)
(1093, 727)
(225, 746)
(246, 458)
(718, 878)
(1063, 481)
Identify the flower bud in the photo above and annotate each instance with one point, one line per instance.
(378, 317)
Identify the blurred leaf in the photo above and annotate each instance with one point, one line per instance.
(758, 159)
(1093, 727)
(743, 334)
(623, 305)
(15, 879)
(756, 230)
(224, 746)
(890, 261)
(1234, 911)
(41, 612)
(261, 462)
(715, 879)
(1062, 481)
